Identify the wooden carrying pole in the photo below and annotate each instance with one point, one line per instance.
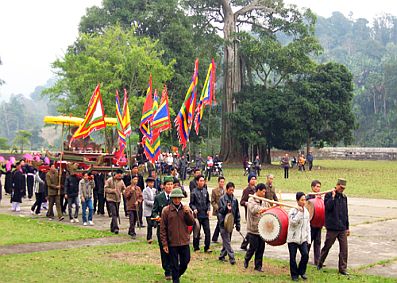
(274, 202)
(321, 193)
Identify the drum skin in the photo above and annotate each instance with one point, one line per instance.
(273, 226)
(317, 212)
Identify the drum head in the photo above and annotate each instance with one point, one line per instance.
(229, 222)
(269, 227)
(310, 208)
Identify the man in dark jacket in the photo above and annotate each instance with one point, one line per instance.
(228, 204)
(175, 235)
(193, 183)
(161, 201)
(99, 180)
(18, 187)
(249, 190)
(337, 224)
(200, 204)
(72, 195)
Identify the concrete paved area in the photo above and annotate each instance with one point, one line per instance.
(372, 244)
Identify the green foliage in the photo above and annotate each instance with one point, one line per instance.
(117, 59)
(4, 143)
(22, 138)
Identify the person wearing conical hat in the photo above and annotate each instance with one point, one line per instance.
(174, 233)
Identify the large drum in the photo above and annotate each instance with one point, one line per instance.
(273, 226)
(316, 209)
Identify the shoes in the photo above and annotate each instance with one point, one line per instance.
(76, 220)
(71, 220)
(319, 267)
(243, 248)
(232, 261)
(304, 277)
(208, 251)
(258, 269)
(168, 277)
(150, 241)
(344, 272)
(32, 212)
(116, 231)
(196, 250)
(133, 237)
(214, 240)
(38, 214)
(295, 279)
(221, 258)
(91, 223)
(85, 224)
(61, 218)
(246, 263)
(50, 219)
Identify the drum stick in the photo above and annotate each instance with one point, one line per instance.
(275, 202)
(321, 193)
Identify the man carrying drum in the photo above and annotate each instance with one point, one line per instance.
(337, 224)
(228, 216)
(255, 208)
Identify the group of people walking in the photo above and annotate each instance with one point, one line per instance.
(160, 203)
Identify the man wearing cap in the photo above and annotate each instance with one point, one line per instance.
(114, 186)
(149, 194)
(200, 204)
(174, 233)
(270, 189)
(228, 204)
(249, 190)
(337, 224)
(161, 201)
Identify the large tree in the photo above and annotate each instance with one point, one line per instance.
(267, 16)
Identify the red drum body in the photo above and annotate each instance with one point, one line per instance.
(273, 226)
(316, 209)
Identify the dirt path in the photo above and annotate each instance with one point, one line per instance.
(38, 247)
(372, 244)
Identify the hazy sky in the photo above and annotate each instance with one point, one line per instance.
(34, 33)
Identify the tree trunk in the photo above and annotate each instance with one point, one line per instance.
(232, 83)
(308, 142)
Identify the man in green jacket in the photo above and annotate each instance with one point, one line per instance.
(53, 184)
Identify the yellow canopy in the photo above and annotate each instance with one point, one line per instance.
(74, 121)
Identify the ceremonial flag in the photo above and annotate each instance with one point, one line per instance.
(161, 119)
(126, 116)
(147, 112)
(94, 117)
(184, 119)
(120, 125)
(152, 145)
(207, 95)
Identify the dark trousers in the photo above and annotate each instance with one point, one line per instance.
(165, 258)
(216, 232)
(51, 200)
(38, 202)
(63, 202)
(150, 224)
(125, 205)
(95, 194)
(29, 183)
(257, 247)
(310, 165)
(132, 215)
(330, 238)
(114, 211)
(293, 267)
(140, 214)
(286, 169)
(316, 238)
(245, 242)
(75, 201)
(205, 224)
(180, 258)
(101, 203)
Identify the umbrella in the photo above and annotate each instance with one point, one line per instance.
(2, 159)
(28, 156)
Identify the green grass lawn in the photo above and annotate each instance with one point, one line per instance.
(369, 179)
(19, 230)
(140, 262)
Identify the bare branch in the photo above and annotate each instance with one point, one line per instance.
(255, 5)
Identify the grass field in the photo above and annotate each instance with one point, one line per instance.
(139, 262)
(369, 179)
(19, 230)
